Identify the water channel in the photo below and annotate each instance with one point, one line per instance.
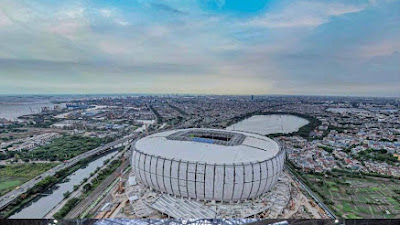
(43, 204)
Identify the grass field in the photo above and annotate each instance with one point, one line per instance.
(63, 148)
(351, 197)
(11, 176)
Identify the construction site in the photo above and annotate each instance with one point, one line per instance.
(205, 182)
(129, 199)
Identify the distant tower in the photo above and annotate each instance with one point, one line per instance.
(252, 97)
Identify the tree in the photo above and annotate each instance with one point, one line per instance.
(67, 194)
(87, 187)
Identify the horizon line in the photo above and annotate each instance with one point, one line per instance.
(193, 94)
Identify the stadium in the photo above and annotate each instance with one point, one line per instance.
(208, 164)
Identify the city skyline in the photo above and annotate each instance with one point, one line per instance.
(200, 47)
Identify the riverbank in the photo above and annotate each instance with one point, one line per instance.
(80, 192)
(20, 202)
(13, 175)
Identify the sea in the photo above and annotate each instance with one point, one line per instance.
(12, 107)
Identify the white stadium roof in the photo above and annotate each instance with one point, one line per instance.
(253, 148)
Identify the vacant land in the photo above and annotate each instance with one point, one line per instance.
(11, 176)
(358, 197)
(63, 148)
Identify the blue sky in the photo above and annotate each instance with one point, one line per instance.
(349, 47)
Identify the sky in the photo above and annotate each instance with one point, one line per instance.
(289, 47)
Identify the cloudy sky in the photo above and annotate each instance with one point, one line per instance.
(349, 47)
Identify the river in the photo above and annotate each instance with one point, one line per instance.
(39, 207)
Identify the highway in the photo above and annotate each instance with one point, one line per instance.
(311, 193)
(6, 199)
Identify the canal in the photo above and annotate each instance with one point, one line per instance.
(40, 206)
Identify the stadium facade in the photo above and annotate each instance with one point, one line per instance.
(208, 164)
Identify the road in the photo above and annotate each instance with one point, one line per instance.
(311, 193)
(10, 196)
(85, 203)
(300, 199)
(79, 191)
(6, 199)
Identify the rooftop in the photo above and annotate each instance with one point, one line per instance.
(211, 146)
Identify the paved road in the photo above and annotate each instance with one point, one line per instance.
(311, 193)
(79, 191)
(10, 196)
(85, 203)
(6, 199)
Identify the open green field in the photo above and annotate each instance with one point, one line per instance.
(11, 176)
(353, 197)
(63, 148)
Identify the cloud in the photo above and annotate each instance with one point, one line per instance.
(72, 21)
(157, 47)
(384, 48)
(27, 65)
(66, 28)
(4, 20)
(106, 12)
(303, 14)
(166, 8)
(76, 12)
(112, 15)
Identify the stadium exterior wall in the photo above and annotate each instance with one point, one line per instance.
(202, 181)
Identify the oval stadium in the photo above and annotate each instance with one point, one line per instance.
(208, 164)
